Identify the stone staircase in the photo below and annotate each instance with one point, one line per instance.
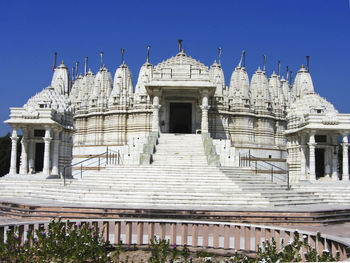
(180, 149)
(179, 177)
(332, 192)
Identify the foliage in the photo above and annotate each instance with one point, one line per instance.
(68, 242)
(5, 153)
(291, 252)
(61, 242)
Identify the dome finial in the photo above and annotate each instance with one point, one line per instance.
(123, 51)
(62, 63)
(180, 45)
(54, 61)
(101, 54)
(219, 48)
(242, 59)
(302, 65)
(147, 58)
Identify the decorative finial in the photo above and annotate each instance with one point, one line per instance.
(101, 54)
(54, 61)
(242, 59)
(264, 63)
(86, 64)
(62, 63)
(307, 63)
(76, 68)
(148, 48)
(219, 48)
(123, 51)
(279, 67)
(180, 45)
(302, 65)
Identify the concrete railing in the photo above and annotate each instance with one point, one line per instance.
(196, 234)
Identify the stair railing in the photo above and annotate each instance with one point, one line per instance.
(110, 156)
(248, 160)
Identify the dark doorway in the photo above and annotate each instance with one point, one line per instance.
(319, 156)
(180, 118)
(39, 156)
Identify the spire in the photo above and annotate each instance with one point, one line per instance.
(123, 51)
(101, 54)
(242, 59)
(219, 48)
(54, 61)
(180, 45)
(76, 68)
(287, 77)
(73, 73)
(85, 67)
(279, 67)
(307, 63)
(147, 58)
(291, 78)
(264, 63)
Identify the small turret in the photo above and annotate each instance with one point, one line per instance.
(61, 81)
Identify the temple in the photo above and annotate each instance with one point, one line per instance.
(275, 120)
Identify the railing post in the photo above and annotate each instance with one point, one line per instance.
(257, 238)
(247, 238)
(107, 156)
(173, 234)
(271, 173)
(150, 232)
(117, 230)
(128, 233)
(237, 238)
(139, 233)
(227, 237)
(249, 159)
(216, 236)
(64, 175)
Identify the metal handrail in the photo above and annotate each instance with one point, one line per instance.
(256, 159)
(108, 157)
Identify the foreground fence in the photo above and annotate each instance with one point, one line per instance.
(197, 234)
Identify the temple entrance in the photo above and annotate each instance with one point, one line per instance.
(319, 156)
(39, 156)
(180, 118)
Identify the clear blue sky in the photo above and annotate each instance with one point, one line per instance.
(31, 31)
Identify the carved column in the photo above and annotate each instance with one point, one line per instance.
(56, 144)
(335, 159)
(24, 156)
(303, 157)
(205, 108)
(14, 139)
(47, 140)
(155, 119)
(312, 163)
(345, 157)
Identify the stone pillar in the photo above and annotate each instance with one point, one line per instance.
(335, 159)
(303, 157)
(31, 146)
(47, 139)
(312, 163)
(205, 108)
(14, 139)
(24, 156)
(345, 158)
(155, 119)
(56, 144)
